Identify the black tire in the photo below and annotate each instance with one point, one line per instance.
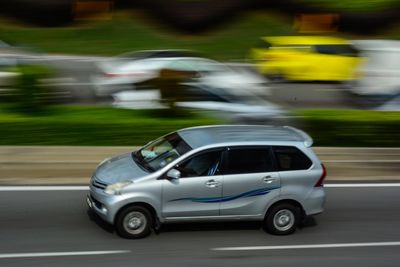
(285, 214)
(133, 222)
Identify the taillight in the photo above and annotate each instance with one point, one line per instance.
(322, 178)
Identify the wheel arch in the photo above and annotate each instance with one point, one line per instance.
(288, 201)
(146, 205)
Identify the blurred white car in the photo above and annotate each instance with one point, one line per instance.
(380, 74)
(235, 105)
(124, 72)
(7, 63)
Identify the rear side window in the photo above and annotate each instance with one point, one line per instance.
(249, 160)
(290, 158)
(341, 50)
(199, 94)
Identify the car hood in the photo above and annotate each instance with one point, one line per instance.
(119, 168)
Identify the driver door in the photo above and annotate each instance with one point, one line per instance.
(199, 190)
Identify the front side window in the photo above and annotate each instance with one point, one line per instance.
(290, 158)
(204, 164)
(249, 160)
(160, 152)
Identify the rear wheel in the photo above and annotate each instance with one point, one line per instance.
(282, 219)
(133, 222)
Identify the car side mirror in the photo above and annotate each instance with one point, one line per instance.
(173, 174)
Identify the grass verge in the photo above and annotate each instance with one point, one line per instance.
(353, 5)
(102, 126)
(132, 31)
(91, 126)
(352, 127)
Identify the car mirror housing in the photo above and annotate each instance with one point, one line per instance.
(173, 174)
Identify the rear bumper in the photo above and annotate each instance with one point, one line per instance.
(315, 202)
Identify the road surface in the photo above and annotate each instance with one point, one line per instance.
(360, 227)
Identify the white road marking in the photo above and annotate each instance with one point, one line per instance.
(362, 161)
(84, 188)
(337, 245)
(31, 162)
(61, 254)
(363, 185)
(43, 188)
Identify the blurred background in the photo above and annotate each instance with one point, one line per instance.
(121, 72)
(83, 80)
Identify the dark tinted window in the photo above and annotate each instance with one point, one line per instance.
(248, 160)
(291, 158)
(342, 50)
(199, 94)
(204, 164)
(157, 54)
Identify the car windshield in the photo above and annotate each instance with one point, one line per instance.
(160, 152)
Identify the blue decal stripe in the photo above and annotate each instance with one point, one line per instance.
(252, 193)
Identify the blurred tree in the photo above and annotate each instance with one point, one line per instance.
(170, 82)
(28, 94)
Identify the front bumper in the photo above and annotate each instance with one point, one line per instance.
(104, 205)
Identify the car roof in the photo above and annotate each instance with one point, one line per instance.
(213, 135)
(305, 40)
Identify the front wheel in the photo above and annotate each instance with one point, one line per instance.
(133, 222)
(282, 219)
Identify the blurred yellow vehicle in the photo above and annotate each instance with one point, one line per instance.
(307, 58)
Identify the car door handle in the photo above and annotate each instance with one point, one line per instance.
(269, 179)
(212, 183)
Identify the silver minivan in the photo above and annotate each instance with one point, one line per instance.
(212, 173)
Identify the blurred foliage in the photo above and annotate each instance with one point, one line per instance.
(76, 125)
(352, 127)
(352, 5)
(29, 95)
(130, 32)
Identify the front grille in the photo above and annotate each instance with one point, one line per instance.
(98, 184)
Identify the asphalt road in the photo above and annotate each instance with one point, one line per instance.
(57, 221)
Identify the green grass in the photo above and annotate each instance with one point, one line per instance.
(75, 125)
(129, 32)
(102, 126)
(353, 5)
(352, 127)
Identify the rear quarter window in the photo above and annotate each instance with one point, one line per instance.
(290, 158)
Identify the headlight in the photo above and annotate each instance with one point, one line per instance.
(115, 189)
